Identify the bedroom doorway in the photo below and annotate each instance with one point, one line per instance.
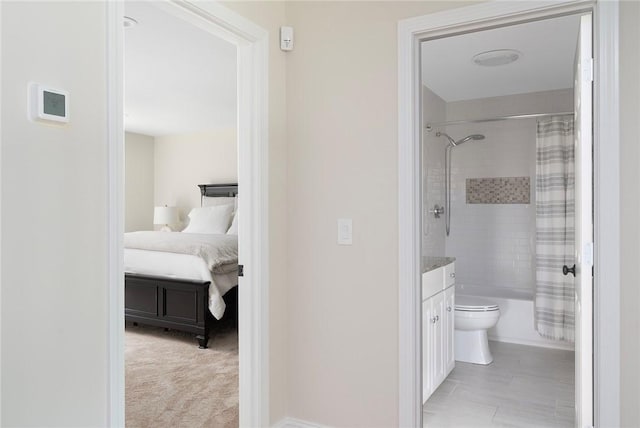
(181, 222)
(248, 43)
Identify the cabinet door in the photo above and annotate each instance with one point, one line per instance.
(438, 339)
(449, 307)
(427, 347)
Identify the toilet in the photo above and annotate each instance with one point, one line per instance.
(473, 317)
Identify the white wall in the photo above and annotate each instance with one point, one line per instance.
(54, 196)
(138, 182)
(181, 162)
(494, 244)
(433, 148)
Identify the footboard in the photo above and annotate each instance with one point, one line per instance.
(171, 303)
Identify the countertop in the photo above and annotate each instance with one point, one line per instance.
(431, 263)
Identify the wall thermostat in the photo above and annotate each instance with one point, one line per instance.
(48, 104)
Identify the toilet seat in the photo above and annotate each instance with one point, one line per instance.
(474, 304)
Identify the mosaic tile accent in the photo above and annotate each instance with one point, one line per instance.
(501, 190)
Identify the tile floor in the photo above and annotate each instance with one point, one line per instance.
(525, 386)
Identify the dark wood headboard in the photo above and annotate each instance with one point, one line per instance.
(217, 190)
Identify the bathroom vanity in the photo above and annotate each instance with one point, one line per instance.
(438, 309)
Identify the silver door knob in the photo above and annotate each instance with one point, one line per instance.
(433, 320)
(437, 211)
(452, 274)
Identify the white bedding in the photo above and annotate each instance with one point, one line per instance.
(220, 251)
(182, 266)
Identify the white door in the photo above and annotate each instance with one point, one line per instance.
(584, 226)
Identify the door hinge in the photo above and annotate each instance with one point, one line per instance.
(588, 70)
(240, 270)
(587, 253)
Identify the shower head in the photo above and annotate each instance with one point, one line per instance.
(461, 141)
(469, 138)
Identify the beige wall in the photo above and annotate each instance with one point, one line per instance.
(342, 109)
(54, 195)
(630, 212)
(138, 182)
(181, 162)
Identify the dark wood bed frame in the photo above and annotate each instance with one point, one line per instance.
(174, 303)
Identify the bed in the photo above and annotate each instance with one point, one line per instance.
(169, 285)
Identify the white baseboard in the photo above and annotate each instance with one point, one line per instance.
(540, 344)
(296, 423)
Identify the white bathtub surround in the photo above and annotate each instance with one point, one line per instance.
(494, 244)
(433, 176)
(516, 324)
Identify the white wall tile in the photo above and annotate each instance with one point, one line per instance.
(433, 232)
(494, 244)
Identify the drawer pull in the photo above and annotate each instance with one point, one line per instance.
(448, 308)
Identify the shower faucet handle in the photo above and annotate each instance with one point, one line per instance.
(437, 211)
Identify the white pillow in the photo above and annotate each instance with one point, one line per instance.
(233, 229)
(214, 201)
(209, 219)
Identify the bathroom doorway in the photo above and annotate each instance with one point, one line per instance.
(506, 202)
(468, 140)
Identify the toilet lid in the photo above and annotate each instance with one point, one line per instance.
(474, 304)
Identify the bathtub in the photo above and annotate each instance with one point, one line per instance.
(516, 316)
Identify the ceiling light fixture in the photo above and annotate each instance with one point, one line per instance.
(497, 57)
(128, 22)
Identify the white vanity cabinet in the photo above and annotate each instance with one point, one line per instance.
(437, 328)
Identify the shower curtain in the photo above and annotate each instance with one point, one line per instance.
(555, 184)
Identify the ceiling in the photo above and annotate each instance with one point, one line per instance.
(548, 48)
(178, 78)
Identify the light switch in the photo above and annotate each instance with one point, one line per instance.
(345, 231)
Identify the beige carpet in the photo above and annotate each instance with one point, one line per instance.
(172, 383)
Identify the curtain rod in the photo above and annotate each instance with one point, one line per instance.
(430, 126)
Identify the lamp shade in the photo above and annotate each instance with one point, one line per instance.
(165, 215)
